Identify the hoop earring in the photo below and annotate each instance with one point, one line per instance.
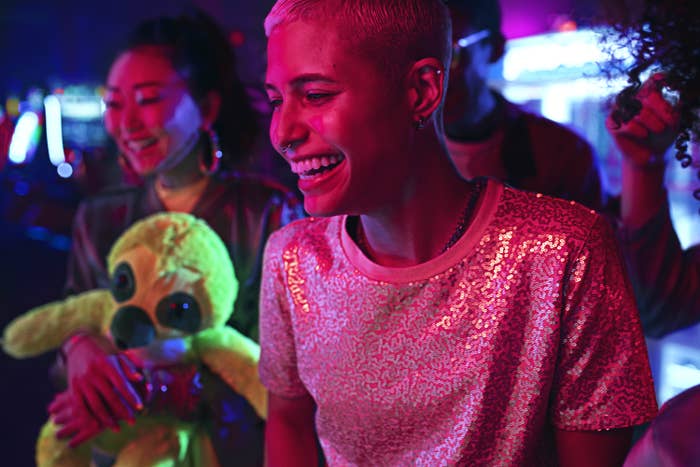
(211, 166)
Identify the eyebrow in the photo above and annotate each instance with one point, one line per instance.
(144, 84)
(304, 79)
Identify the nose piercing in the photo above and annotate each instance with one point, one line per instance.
(285, 148)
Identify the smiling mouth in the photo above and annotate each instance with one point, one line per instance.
(141, 144)
(311, 167)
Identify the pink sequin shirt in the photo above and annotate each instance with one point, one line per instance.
(525, 324)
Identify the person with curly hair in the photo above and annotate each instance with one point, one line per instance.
(664, 39)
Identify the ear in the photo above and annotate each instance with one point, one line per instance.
(426, 81)
(209, 107)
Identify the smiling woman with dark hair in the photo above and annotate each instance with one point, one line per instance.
(180, 118)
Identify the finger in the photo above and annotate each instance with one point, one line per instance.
(109, 400)
(126, 390)
(58, 403)
(129, 368)
(84, 435)
(68, 430)
(662, 109)
(633, 129)
(651, 120)
(63, 418)
(89, 400)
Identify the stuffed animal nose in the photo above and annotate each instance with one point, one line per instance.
(131, 327)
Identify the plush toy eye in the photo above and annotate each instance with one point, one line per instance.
(131, 327)
(123, 284)
(179, 311)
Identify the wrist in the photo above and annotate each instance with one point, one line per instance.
(71, 342)
(653, 162)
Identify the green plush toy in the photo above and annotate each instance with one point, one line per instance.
(172, 281)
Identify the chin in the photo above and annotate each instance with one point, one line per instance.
(319, 207)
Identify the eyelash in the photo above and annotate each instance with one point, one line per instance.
(148, 100)
(142, 101)
(313, 98)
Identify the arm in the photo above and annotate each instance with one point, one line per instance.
(599, 448)
(234, 358)
(666, 279)
(80, 273)
(290, 438)
(45, 327)
(643, 141)
(602, 384)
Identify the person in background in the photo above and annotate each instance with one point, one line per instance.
(664, 38)
(180, 118)
(487, 135)
(419, 318)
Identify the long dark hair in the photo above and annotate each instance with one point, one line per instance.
(664, 36)
(200, 52)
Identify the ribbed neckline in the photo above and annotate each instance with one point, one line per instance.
(486, 208)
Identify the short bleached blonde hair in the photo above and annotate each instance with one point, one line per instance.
(392, 33)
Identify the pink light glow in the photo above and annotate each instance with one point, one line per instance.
(522, 19)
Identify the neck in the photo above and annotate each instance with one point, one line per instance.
(184, 174)
(417, 228)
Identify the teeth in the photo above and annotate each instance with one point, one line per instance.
(314, 163)
(137, 145)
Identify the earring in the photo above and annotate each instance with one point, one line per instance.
(420, 124)
(211, 166)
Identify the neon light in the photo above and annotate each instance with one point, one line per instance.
(572, 50)
(473, 38)
(81, 108)
(23, 139)
(65, 170)
(54, 133)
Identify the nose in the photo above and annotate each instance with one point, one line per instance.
(132, 327)
(287, 129)
(130, 117)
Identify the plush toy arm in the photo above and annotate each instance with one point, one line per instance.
(45, 327)
(234, 358)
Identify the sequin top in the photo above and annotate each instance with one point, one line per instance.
(525, 324)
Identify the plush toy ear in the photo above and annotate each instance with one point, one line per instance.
(45, 327)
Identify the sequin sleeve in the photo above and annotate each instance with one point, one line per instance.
(278, 363)
(603, 380)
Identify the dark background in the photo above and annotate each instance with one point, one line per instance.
(50, 43)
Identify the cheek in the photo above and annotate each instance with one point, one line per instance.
(317, 124)
(272, 129)
(110, 122)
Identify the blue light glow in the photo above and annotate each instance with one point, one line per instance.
(23, 140)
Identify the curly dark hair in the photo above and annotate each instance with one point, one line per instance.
(199, 50)
(664, 36)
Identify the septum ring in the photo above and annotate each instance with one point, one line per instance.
(285, 148)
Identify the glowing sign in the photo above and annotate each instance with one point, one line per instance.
(25, 138)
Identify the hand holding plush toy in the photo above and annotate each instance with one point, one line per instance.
(173, 288)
